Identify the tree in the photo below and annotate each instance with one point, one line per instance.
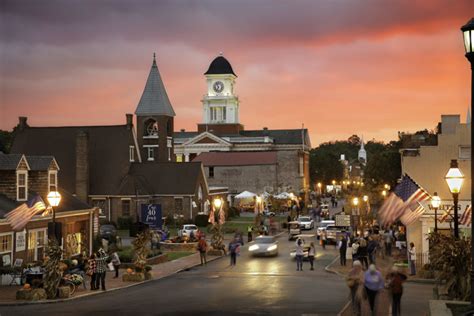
(325, 166)
(6, 139)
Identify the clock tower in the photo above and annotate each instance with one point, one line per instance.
(220, 104)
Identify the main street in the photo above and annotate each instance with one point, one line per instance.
(256, 286)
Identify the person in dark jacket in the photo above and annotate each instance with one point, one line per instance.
(363, 253)
(372, 250)
(395, 281)
(342, 245)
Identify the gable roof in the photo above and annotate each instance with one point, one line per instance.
(164, 178)
(237, 158)
(35, 163)
(154, 100)
(108, 153)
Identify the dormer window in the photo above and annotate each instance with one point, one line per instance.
(53, 180)
(22, 185)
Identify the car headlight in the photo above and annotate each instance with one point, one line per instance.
(253, 247)
(272, 247)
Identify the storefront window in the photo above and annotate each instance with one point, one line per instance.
(73, 244)
(6, 247)
(36, 243)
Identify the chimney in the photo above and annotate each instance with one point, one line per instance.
(182, 130)
(129, 120)
(82, 166)
(22, 124)
(265, 131)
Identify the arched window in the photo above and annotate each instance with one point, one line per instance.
(151, 128)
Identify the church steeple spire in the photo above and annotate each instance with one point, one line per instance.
(362, 156)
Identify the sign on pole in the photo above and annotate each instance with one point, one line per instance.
(343, 220)
(151, 215)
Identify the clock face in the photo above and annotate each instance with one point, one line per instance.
(218, 86)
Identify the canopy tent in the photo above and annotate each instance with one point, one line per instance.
(245, 195)
(283, 196)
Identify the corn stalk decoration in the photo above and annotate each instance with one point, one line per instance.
(53, 272)
(450, 260)
(140, 247)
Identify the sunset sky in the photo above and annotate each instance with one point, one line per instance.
(339, 67)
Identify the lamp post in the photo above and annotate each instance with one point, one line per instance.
(384, 193)
(365, 198)
(468, 36)
(455, 178)
(435, 203)
(319, 188)
(54, 198)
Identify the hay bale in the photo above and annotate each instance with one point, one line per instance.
(38, 295)
(64, 292)
(23, 294)
(136, 277)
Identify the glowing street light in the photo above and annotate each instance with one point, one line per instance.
(54, 198)
(384, 193)
(435, 203)
(455, 178)
(365, 198)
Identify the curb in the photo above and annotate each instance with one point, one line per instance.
(329, 270)
(22, 303)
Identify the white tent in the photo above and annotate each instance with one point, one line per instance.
(245, 195)
(283, 196)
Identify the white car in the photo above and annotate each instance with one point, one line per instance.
(305, 222)
(322, 228)
(264, 246)
(187, 229)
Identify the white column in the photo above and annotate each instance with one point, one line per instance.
(186, 157)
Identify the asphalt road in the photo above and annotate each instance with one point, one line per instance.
(256, 286)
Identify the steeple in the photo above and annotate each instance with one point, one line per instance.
(362, 153)
(154, 100)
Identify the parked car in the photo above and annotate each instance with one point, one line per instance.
(334, 233)
(305, 222)
(108, 231)
(322, 227)
(187, 229)
(267, 212)
(294, 230)
(264, 246)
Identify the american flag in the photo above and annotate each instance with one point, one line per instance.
(212, 219)
(221, 215)
(406, 194)
(19, 217)
(466, 217)
(445, 215)
(412, 213)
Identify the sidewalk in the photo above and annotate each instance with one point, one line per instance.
(8, 293)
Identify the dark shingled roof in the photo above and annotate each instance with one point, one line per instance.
(36, 163)
(220, 66)
(237, 158)
(280, 136)
(68, 203)
(161, 178)
(108, 153)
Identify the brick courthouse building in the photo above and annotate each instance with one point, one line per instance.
(22, 177)
(118, 168)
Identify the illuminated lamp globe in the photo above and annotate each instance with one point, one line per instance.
(217, 203)
(454, 177)
(468, 35)
(54, 198)
(435, 201)
(355, 201)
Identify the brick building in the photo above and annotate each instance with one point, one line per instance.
(21, 178)
(118, 168)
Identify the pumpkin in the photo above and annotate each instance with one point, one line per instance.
(129, 270)
(27, 286)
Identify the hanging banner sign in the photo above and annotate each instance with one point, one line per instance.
(151, 215)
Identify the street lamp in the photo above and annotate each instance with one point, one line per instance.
(218, 203)
(435, 203)
(319, 187)
(384, 193)
(54, 198)
(455, 178)
(468, 35)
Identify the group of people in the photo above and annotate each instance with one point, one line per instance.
(368, 284)
(299, 254)
(97, 266)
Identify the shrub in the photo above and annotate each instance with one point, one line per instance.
(169, 221)
(124, 222)
(233, 212)
(201, 220)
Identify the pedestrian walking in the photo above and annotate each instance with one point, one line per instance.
(202, 248)
(234, 249)
(354, 281)
(388, 237)
(395, 281)
(373, 283)
(101, 270)
(92, 270)
(116, 263)
(311, 254)
(412, 258)
(342, 245)
(372, 249)
(299, 254)
(323, 239)
(363, 253)
(249, 233)
(355, 251)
